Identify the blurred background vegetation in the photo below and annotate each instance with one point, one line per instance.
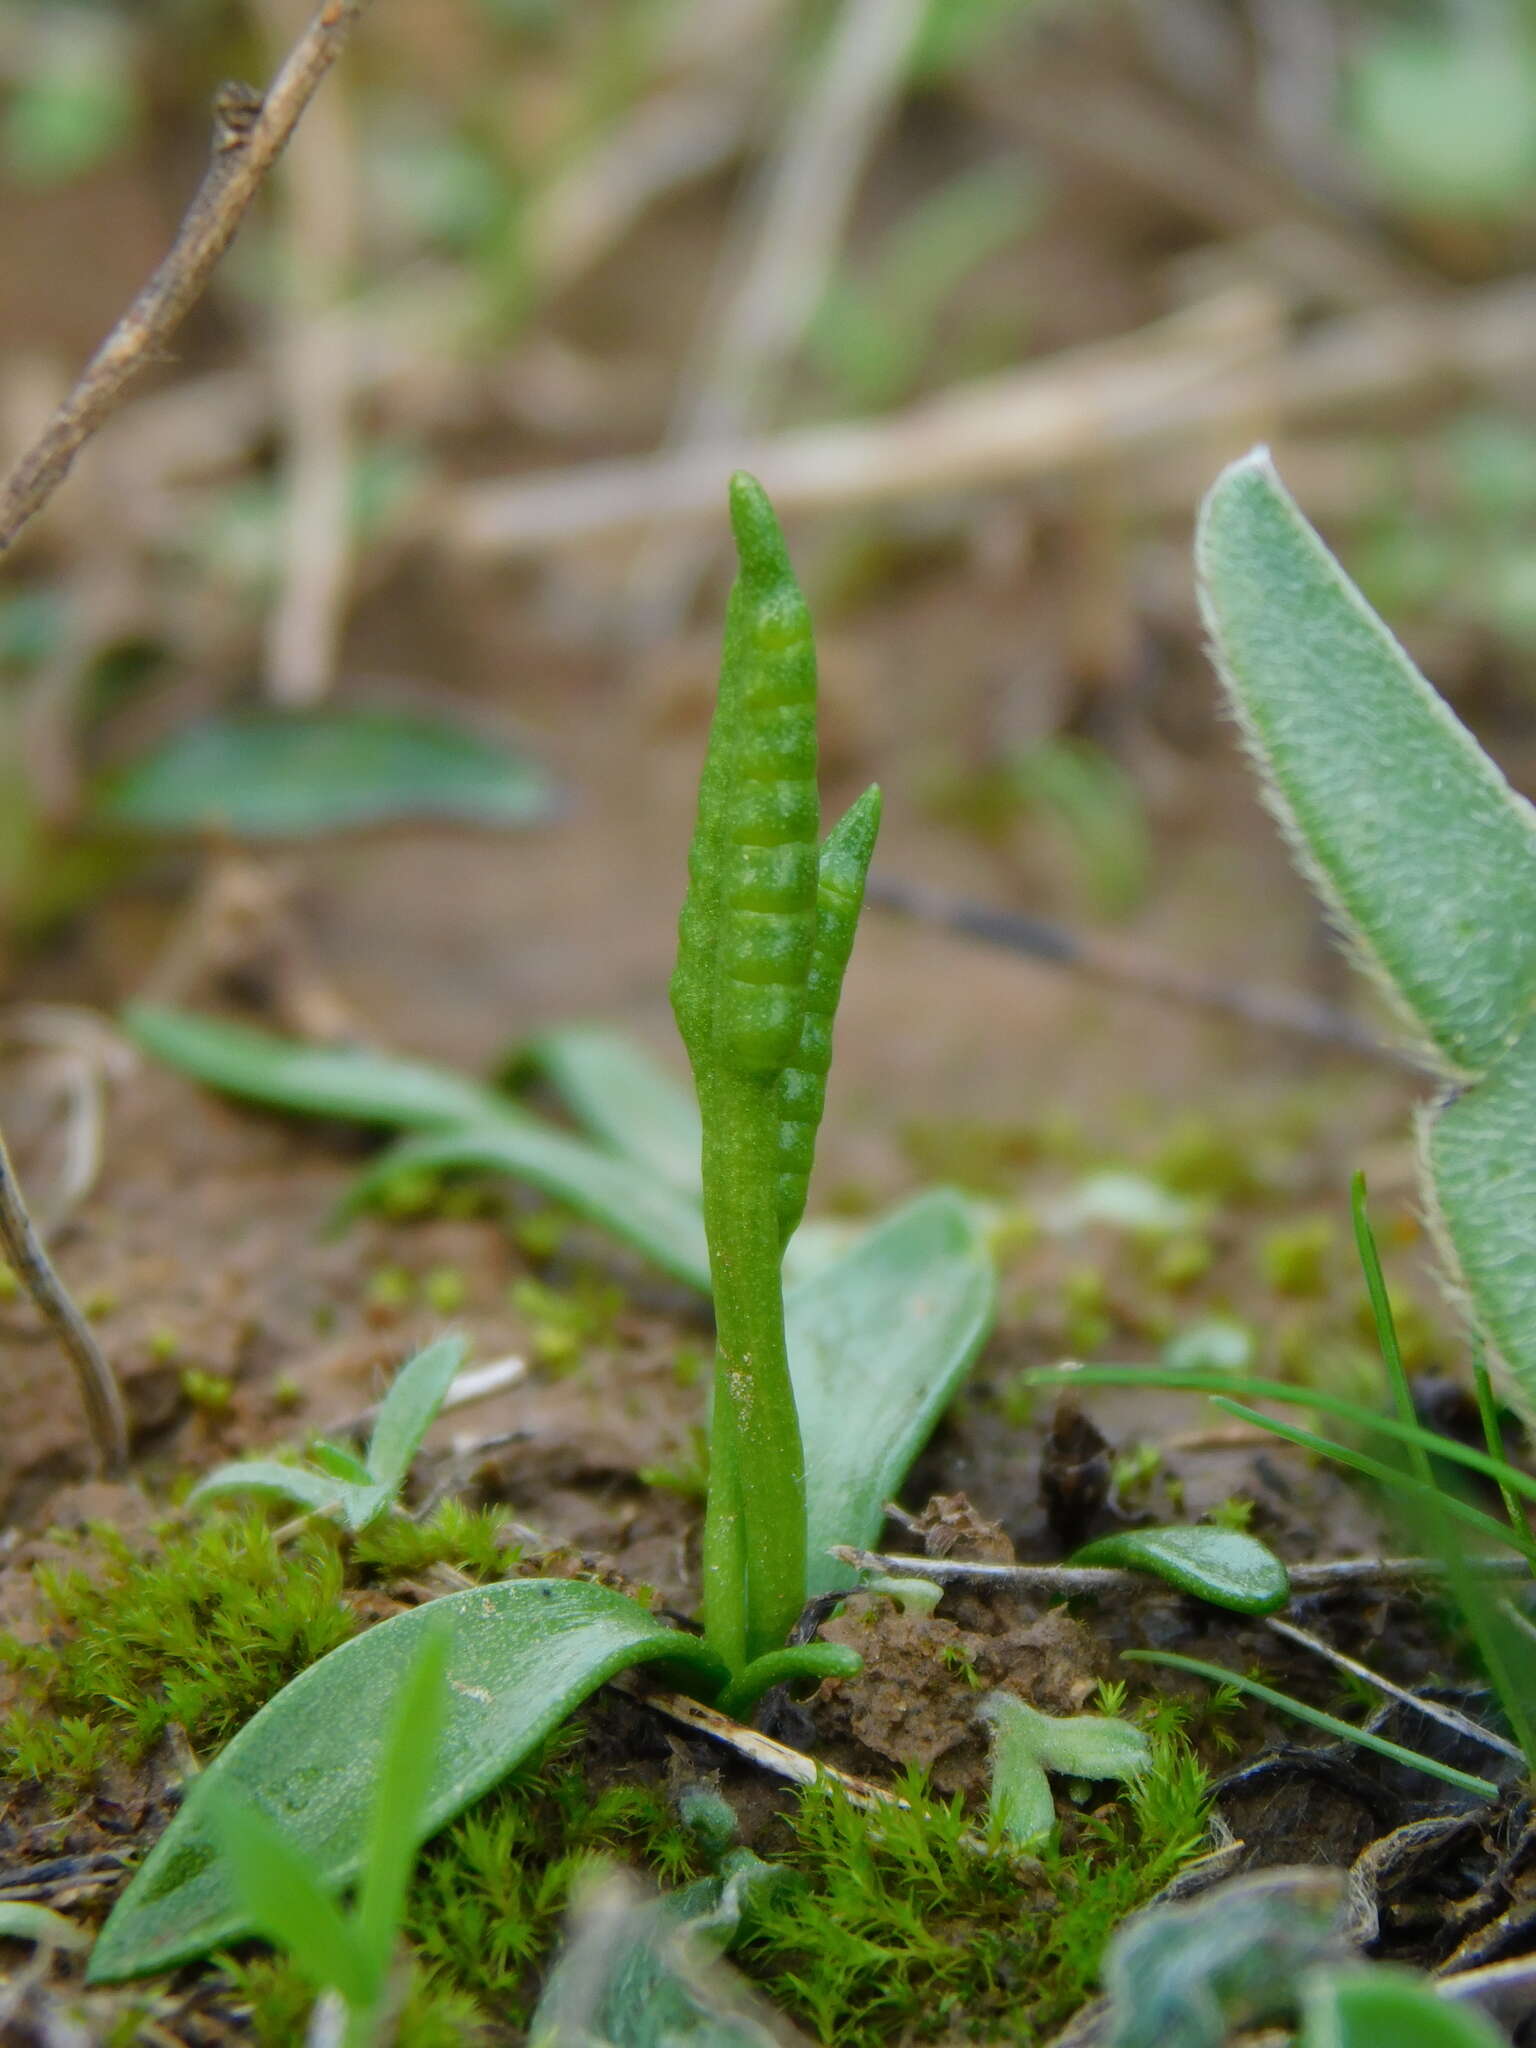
(422, 525)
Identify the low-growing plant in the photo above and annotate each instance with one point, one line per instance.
(355, 1491)
(819, 1405)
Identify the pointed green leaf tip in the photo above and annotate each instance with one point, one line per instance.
(760, 544)
(1219, 1565)
(1415, 840)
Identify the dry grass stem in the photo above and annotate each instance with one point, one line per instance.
(99, 1390)
(245, 151)
(1460, 1724)
(1062, 1580)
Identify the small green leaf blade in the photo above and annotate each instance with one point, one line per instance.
(879, 1341)
(396, 1829)
(409, 1409)
(1373, 2004)
(1222, 1566)
(625, 1100)
(313, 1080)
(319, 1492)
(1480, 1162)
(1412, 835)
(21, 1921)
(522, 1655)
(284, 1904)
(1026, 1744)
(626, 1200)
(276, 775)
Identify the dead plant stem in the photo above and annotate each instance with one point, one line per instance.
(244, 153)
(98, 1384)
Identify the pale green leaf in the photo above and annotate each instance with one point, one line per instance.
(1192, 1975)
(624, 1099)
(879, 1341)
(319, 1492)
(408, 1410)
(291, 775)
(1415, 840)
(20, 1921)
(1371, 2006)
(1220, 1565)
(522, 1655)
(1480, 1155)
(627, 1200)
(315, 1080)
(1026, 1744)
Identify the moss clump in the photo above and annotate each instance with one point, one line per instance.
(471, 1540)
(902, 1931)
(490, 1894)
(201, 1631)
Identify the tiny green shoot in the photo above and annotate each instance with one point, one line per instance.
(350, 1490)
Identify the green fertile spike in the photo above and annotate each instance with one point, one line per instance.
(749, 921)
(802, 1092)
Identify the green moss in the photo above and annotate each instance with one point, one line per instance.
(903, 1932)
(209, 1392)
(469, 1539)
(1295, 1259)
(279, 2002)
(1182, 1263)
(563, 1322)
(201, 1631)
(491, 1891)
(445, 1290)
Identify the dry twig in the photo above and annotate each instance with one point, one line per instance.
(1119, 966)
(98, 1384)
(248, 143)
(1060, 1581)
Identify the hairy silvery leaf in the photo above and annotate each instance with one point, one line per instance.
(1480, 1161)
(1026, 1744)
(879, 1340)
(352, 1504)
(521, 1656)
(1421, 850)
(1187, 1976)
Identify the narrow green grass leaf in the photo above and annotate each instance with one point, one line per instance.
(278, 1893)
(313, 1080)
(1480, 1159)
(268, 775)
(879, 1341)
(408, 1410)
(1393, 1477)
(627, 1200)
(397, 1826)
(625, 1100)
(1414, 838)
(1220, 1565)
(20, 1921)
(522, 1656)
(1199, 1380)
(1373, 2005)
(1316, 1718)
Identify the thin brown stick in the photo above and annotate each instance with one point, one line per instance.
(245, 152)
(1120, 966)
(1448, 1717)
(1064, 1580)
(98, 1384)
